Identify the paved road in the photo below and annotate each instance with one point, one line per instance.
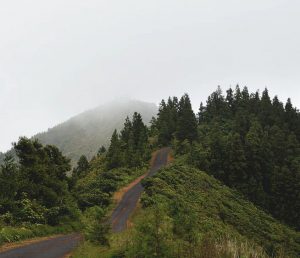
(129, 201)
(57, 247)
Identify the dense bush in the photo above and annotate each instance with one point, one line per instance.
(35, 190)
(95, 225)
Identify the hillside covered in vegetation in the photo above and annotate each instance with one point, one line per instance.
(248, 146)
(232, 190)
(187, 213)
(85, 133)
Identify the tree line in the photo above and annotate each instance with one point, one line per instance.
(247, 140)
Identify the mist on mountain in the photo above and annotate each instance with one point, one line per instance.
(85, 133)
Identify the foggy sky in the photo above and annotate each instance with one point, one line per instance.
(61, 57)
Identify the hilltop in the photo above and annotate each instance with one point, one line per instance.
(85, 133)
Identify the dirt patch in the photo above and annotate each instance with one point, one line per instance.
(170, 158)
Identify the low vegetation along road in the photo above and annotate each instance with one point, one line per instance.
(126, 206)
(53, 247)
(62, 246)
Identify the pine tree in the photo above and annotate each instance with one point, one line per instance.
(101, 150)
(82, 166)
(254, 155)
(114, 153)
(292, 118)
(187, 123)
(230, 99)
(167, 121)
(201, 113)
(236, 165)
(216, 104)
(125, 133)
(9, 184)
(139, 130)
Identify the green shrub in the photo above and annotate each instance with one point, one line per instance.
(95, 228)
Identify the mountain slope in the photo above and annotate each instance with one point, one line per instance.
(194, 206)
(88, 131)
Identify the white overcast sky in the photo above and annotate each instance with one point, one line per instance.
(60, 57)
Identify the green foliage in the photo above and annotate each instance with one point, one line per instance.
(251, 143)
(95, 189)
(35, 190)
(95, 228)
(187, 124)
(152, 236)
(175, 120)
(9, 184)
(97, 186)
(101, 150)
(82, 166)
(114, 155)
(166, 121)
(130, 148)
(200, 212)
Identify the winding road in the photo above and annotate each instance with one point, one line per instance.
(62, 246)
(126, 206)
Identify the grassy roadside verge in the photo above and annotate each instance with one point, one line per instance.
(9, 234)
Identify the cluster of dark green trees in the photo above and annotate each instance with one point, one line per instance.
(175, 119)
(247, 141)
(37, 185)
(130, 148)
(36, 189)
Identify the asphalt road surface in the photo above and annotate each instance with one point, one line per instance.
(129, 201)
(57, 247)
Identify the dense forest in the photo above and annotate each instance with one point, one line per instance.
(247, 144)
(247, 141)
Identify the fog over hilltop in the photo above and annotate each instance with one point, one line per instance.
(59, 58)
(85, 133)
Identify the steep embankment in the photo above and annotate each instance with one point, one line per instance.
(197, 214)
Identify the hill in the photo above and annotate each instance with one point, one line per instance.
(85, 133)
(187, 213)
(193, 211)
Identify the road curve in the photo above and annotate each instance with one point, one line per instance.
(129, 201)
(56, 247)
